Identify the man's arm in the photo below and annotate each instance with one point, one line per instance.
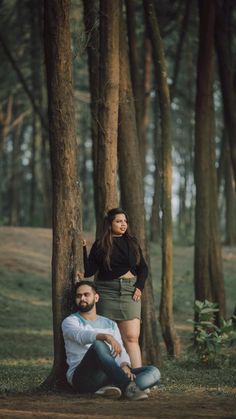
(115, 345)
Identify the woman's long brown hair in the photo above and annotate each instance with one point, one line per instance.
(106, 240)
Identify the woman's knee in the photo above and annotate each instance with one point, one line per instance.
(130, 338)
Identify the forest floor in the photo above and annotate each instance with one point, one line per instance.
(188, 390)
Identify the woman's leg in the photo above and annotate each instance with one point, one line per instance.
(146, 377)
(130, 331)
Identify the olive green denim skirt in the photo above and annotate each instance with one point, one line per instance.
(115, 299)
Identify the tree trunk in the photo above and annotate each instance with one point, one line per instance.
(230, 202)
(208, 276)
(166, 308)
(14, 180)
(140, 69)
(132, 197)
(66, 257)
(182, 36)
(215, 256)
(155, 220)
(91, 10)
(226, 76)
(106, 182)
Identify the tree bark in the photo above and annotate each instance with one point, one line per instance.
(208, 277)
(66, 256)
(132, 196)
(182, 36)
(226, 76)
(166, 307)
(155, 220)
(91, 10)
(230, 203)
(140, 70)
(106, 182)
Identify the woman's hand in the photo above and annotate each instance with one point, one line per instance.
(137, 294)
(79, 276)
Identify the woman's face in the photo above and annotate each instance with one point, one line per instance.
(119, 225)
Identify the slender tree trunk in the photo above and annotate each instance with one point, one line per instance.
(208, 276)
(230, 203)
(66, 257)
(226, 76)
(155, 220)
(91, 10)
(106, 182)
(132, 197)
(33, 182)
(182, 36)
(140, 69)
(14, 181)
(166, 308)
(215, 256)
(22, 80)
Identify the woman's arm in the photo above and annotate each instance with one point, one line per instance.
(142, 272)
(90, 262)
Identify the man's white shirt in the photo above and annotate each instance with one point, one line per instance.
(79, 334)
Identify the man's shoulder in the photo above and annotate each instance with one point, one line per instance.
(106, 322)
(71, 317)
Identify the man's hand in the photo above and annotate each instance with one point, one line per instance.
(126, 368)
(115, 346)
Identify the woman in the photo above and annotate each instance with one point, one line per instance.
(121, 271)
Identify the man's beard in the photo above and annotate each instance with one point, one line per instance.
(85, 308)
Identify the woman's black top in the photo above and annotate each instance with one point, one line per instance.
(123, 259)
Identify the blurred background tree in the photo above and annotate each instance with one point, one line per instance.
(193, 205)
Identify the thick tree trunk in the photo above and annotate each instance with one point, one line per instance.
(132, 197)
(203, 136)
(166, 309)
(106, 182)
(208, 277)
(66, 257)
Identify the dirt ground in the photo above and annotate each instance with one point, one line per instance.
(161, 405)
(14, 254)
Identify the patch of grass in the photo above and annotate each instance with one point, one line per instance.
(26, 350)
(187, 374)
(22, 377)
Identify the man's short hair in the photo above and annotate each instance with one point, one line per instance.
(89, 283)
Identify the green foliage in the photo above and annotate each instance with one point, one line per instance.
(209, 339)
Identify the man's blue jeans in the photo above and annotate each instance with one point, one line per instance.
(98, 368)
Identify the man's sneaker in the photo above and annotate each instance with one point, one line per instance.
(133, 392)
(148, 390)
(111, 392)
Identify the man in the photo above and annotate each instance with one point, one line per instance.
(98, 362)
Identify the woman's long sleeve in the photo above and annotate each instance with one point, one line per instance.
(142, 272)
(90, 263)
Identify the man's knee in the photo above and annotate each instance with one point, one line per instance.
(155, 372)
(100, 347)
